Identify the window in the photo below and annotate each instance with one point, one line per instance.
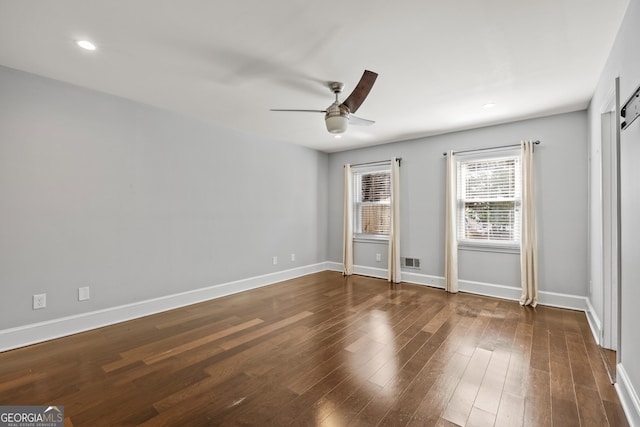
(372, 201)
(489, 201)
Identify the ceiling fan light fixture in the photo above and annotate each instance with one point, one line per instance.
(337, 124)
(337, 118)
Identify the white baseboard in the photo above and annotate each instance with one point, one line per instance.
(43, 331)
(334, 266)
(38, 332)
(628, 396)
(423, 279)
(380, 273)
(594, 322)
(551, 299)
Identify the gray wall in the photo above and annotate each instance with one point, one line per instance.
(138, 202)
(561, 170)
(624, 62)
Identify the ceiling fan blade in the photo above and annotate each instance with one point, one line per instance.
(359, 121)
(361, 91)
(299, 111)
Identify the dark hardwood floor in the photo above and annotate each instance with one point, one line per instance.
(328, 351)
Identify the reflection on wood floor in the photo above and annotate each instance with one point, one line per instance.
(610, 360)
(329, 351)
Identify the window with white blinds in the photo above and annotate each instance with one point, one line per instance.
(489, 200)
(372, 201)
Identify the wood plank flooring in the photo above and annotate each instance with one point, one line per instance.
(324, 350)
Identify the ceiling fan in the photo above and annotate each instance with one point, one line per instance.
(339, 115)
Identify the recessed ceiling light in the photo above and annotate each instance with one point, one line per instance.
(86, 44)
(488, 105)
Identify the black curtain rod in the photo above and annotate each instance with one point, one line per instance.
(489, 148)
(380, 162)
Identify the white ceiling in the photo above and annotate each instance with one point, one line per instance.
(231, 61)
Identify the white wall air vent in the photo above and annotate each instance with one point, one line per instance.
(411, 262)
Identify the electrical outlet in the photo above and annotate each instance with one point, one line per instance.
(39, 301)
(275, 260)
(293, 257)
(378, 258)
(83, 293)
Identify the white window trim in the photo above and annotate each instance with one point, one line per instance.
(384, 166)
(512, 247)
(370, 238)
(508, 248)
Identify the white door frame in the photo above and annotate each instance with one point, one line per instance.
(610, 191)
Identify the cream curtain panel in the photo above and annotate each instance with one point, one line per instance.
(394, 269)
(451, 239)
(347, 231)
(528, 240)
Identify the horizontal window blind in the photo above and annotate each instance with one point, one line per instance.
(489, 200)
